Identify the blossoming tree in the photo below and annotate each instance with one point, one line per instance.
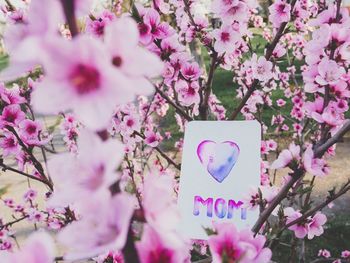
(110, 77)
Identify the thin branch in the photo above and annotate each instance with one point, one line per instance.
(164, 155)
(69, 12)
(129, 250)
(203, 109)
(277, 200)
(13, 222)
(177, 108)
(6, 167)
(320, 150)
(330, 199)
(35, 162)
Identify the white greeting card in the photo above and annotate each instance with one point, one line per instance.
(220, 164)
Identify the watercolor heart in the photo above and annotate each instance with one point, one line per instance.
(218, 158)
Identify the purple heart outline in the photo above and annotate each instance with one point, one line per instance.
(218, 158)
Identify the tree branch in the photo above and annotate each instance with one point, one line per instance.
(311, 212)
(69, 12)
(203, 109)
(319, 151)
(6, 167)
(277, 200)
(166, 157)
(13, 222)
(177, 108)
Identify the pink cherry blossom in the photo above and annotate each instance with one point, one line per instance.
(190, 71)
(300, 230)
(129, 58)
(11, 115)
(314, 166)
(160, 213)
(9, 144)
(225, 39)
(230, 10)
(97, 25)
(152, 28)
(231, 245)
(152, 138)
(39, 248)
(156, 248)
(331, 116)
(324, 253)
(34, 34)
(188, 92)
(29, 131)
(80, 76)
(329, 72)
(93, 169)
(93, 235)
(262, 69)
(315, 225)
(345, 254)
(286, 156)
(12, 95)
(279, 12)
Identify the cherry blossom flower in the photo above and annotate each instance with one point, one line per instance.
(39, 248)
(93, 169)
(345, 254)
(81, 77)
(188, 92)
(315, 225)
(29, 132)
(279, 12)
(97, 25)
(229, 244)
(324, 253)
(160, 213)
(300, 230)
(12, 95)
(225, 39)
(11, 115)
(93, 235)
(190, 71)
(311, 227)
(156, 248)
(331, 115)
(151, 27)
(9, 144)
(129, 58)
(286, 156)
(262, 69)
(152, 138)
(314, 166)
(34, 35)
(329, 72)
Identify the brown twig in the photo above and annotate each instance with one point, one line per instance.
(178, 109)
(6, 167)
(69, 12)
(129, 250)
(203, 109)
(311, 212)
(13, 222)
(164, 155)
(320, 150)
(277, 200)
